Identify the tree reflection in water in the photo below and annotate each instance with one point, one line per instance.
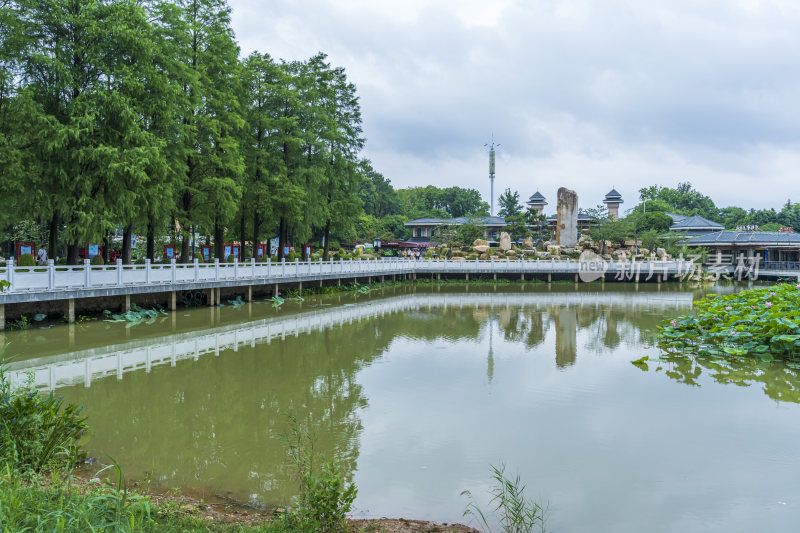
(778, 379)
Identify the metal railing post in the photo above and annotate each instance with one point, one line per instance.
(10, 272)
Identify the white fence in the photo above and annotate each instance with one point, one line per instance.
(58, 277)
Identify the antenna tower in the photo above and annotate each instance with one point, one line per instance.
(492, 147)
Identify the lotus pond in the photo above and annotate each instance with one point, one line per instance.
(417, 391)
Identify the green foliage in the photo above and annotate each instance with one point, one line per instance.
(137, 315)
(37, 432)
(509, 204)
(97, 260)
(26, 260)
(511, 510)
(4, 284)
(325, 498)
(763, 322)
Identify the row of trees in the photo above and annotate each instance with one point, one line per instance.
(141, 115)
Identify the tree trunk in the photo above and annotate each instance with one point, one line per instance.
(151, 239)
(219, 236)
(256, 227)
(106, 248)
(327, 247)
(72, 254)
(126, 244)
(241, 236)
(281, 238)
(52, 253)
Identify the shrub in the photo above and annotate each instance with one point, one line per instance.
(37, 432)
(291, 257)
(98, 260)
(231, 258)
(26, 260)
(199, 257)
(324, 500)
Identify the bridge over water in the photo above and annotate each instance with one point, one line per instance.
(66, 284)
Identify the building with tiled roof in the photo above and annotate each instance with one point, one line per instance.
(696, 225)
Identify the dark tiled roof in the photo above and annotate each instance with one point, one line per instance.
(481, 221)
(695, 222)
(613, 195)
(581, 217)
(745, 238)
(537, 198)
(676, 217)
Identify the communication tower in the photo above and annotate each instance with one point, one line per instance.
(492, 147)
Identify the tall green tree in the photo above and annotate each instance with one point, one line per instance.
(212, 165)
(509, 204)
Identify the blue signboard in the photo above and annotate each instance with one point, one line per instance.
(206, 254)
(25, 250)
(227, 253)
(92, 250)
(170, 252)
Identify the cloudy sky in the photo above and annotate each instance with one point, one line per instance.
(583, 94)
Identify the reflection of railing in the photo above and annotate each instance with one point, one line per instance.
(173, 276)
(84, 366)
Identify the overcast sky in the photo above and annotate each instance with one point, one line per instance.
(584, 94)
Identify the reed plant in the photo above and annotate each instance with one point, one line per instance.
(511, 511)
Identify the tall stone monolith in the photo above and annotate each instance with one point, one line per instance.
(567, 222)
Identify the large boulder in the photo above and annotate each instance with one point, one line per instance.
(511, 253)
(505, 241)
(480, 242)
(542, 255)
(481, 248)
(661, 253)
(457, 258)
(554, 249)
(527, 243)
(484, 257)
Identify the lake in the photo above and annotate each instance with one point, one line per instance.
(417, 391)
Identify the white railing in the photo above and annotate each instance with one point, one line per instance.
(63, 277)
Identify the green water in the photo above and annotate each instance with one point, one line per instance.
(417, 392)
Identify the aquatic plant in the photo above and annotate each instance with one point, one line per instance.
(762, 322)
(137, 315)
(277, 301)
(512, 511)
(4, 284)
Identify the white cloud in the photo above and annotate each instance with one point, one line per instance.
(580, 93)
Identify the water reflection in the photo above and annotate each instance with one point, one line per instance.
(778, 380)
